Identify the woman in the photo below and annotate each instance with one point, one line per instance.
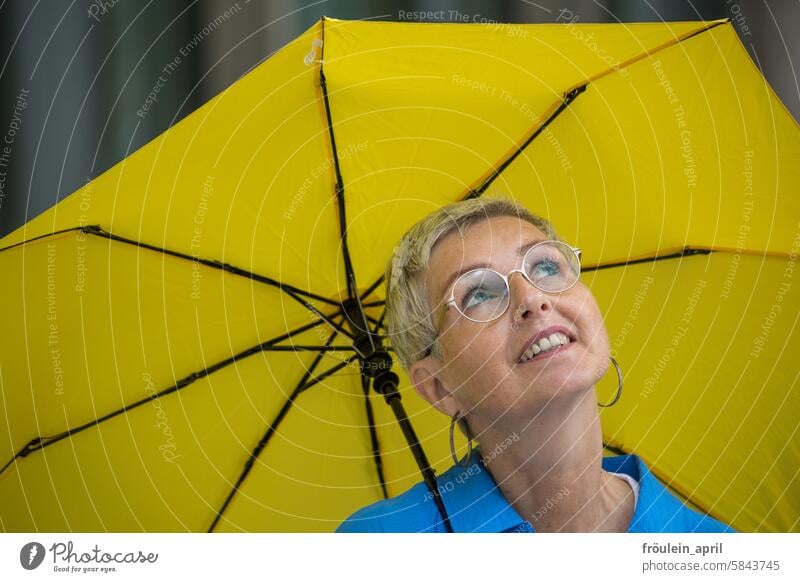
(487, 315)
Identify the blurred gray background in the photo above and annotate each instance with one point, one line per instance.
(84, 67)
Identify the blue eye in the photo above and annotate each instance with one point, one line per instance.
(546, 268)
(476, 296)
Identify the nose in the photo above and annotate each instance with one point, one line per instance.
(526, 299)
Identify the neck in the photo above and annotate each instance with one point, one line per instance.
(552, 474)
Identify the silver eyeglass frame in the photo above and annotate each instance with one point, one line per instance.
(451, 299)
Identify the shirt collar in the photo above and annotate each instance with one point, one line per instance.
(475, 503)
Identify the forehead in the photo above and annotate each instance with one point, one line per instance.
(492, 241)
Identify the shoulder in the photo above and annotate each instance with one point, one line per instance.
(409, 512)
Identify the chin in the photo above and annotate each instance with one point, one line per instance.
(550, 386)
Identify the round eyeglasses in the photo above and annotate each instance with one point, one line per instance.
(483, 295)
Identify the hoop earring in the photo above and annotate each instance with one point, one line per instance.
(619, 385)
(453, 420)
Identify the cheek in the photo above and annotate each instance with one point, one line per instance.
(469, 341)
(593, 325)
(474, 356)
(594, 320)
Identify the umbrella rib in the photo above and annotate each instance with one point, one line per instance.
(41, 236)
(290, 290)
(352, 287)
(41, 442)
(337, 326)
(97, 230)
(298, 348)
(685, 252)
(271, 429)
(328, 373)
(379, 324)
(568, 98)
(372, 288)
(373, 435)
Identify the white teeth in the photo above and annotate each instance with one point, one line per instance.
(544, 344)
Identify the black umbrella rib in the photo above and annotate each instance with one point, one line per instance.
(372, 288)
(44, 441)
(97, 230)
(379, 324)
(352, 287)
(41, 236)
(337, 326)
(375, 303)
(565, 102)
(328, 373)
(272, 428)
(299, 348)
(291, 290)
(685, 252)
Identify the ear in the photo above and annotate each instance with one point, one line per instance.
(426, 376)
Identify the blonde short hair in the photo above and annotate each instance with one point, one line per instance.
(408, 316)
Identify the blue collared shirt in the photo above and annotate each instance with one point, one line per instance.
(475, 503)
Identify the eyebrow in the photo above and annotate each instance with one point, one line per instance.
(520, 251)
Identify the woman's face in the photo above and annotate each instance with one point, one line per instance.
(480, 365)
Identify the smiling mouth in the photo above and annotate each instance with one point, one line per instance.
(555, 342)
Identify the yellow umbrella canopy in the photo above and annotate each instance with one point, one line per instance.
(176, 354)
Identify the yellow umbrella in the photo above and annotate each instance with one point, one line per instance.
(184, 336)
